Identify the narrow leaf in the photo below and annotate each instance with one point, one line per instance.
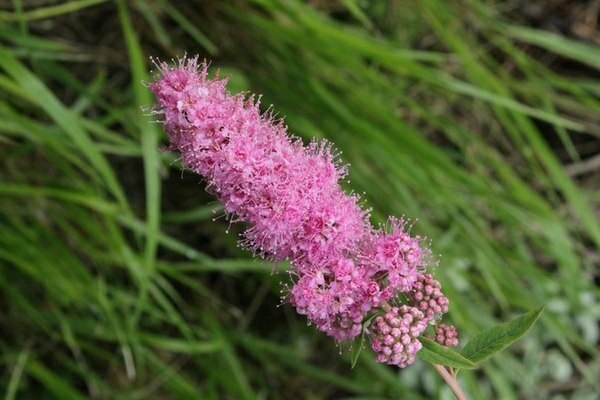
(149, 137)
(577, 50)
(50, 11)
(64, 118)
(492, 340)
(181, 346)
(54, 384)
(357, 347)
(435, 353)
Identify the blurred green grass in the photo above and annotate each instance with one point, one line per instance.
(116, 283)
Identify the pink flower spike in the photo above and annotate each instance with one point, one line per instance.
(288, 194)
(289, 198)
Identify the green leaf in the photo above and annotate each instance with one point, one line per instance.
(149, 137)
(577, 50)
(50, 11)
(435, 353)
(54, 384)
(36, 90)
(492, 340)
(357, 347)
(188, 26)
(175, 345)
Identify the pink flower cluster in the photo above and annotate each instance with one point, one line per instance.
(289, 197)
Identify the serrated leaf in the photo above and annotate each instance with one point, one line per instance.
(495, 339)
(435, 353)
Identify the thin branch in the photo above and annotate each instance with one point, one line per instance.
(450, 381)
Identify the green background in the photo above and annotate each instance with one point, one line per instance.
(478, 120)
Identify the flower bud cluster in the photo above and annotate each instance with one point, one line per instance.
(446, 335)
(394, 336)
(426, 295)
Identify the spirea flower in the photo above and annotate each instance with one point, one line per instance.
(427, 296)
(289, 198)
(396, 257)
(336, 297)
(287, 193)
(446, 335)
(394, 336)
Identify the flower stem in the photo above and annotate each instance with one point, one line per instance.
(451, 381)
